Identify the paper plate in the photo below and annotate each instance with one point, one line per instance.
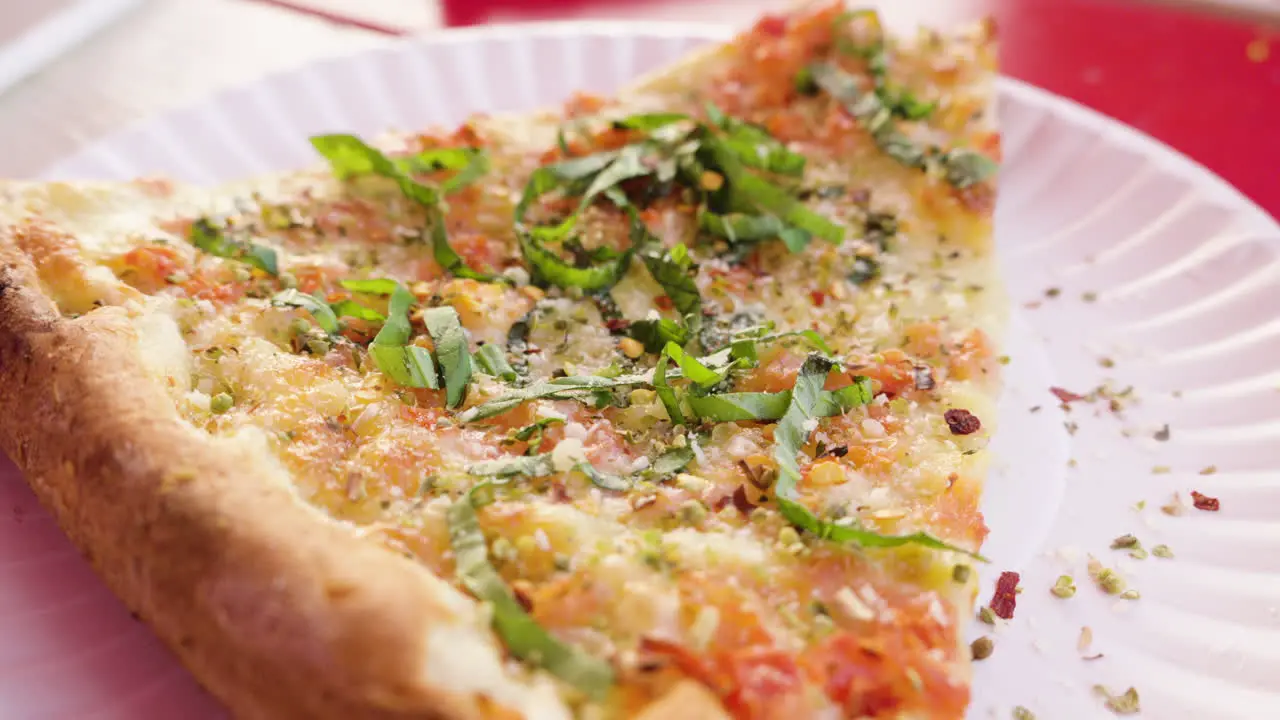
(1129, 265)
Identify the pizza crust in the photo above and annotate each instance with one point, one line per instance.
(278, 611)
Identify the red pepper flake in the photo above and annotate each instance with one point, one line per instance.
(1204, 502)
(617, 324)
(663, 302)
(775, 25)
(1006, 597)
(1066, 396)
(962, 422)
(818, 297)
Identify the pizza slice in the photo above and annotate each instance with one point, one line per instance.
(668, 405)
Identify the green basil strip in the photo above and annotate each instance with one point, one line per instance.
(693, 369)
(351, 308)
(550, 268)
(371, 286)
(739, 228)
(655, 334)
(471, 164)
(407, 365)
(349, 156)
(731, 407)
(571, 175)
(532, 433)
(397, 330)
(451, 350)
(961, 168)
(542, 466)
(320, 310)
(790, 435)
(572, 387)
(804, 519)
(666, 393)
(523, 636)
(213, 240)
(792, 431)
(754, 146)
(964, 168)
(673, 270)
(650, 121)
(748, 191)
(671, 462)
(492, 360)
(602, 480)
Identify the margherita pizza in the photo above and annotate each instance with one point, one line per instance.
(672, 405)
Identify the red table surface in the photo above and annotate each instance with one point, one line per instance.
(1187, 79)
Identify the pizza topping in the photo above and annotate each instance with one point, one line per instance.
(451, 349)
(1124, 704)
(214, 240)
(406, 364)
(1064, 587)
(962, 422)
(350, 157)
(523, 637)
(982, 648)
(1162, 551)
(320, 310)
(1066, 396)
(1107, 580)
(1204, 502)
(221, 403)
(1006, 595)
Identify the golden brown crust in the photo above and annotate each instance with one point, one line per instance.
(278, 612)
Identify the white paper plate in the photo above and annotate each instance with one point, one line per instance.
(1187, 282)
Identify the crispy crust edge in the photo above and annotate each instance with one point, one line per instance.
(277, 611)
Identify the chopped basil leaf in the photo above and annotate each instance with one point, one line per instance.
(790, 436)
(532, 433)
(471, 164)
(804, 519)
(371, 286)
(672, 269)
(407, 365)
(730, 407)
(961, 168)
(350, 156)
(351, 308)
(397, 330)
(737, 228)
(523, 636)
(603, 480)
(671, 462)
(451, 349)
(655, 334)
(319, 310)
(572, 387)
(693, 369)
(666, 393)
(745, 192)
(214, 240)
(650, 121)
(966, 167)
(551, 268)
(492, 360)
(754, 146)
